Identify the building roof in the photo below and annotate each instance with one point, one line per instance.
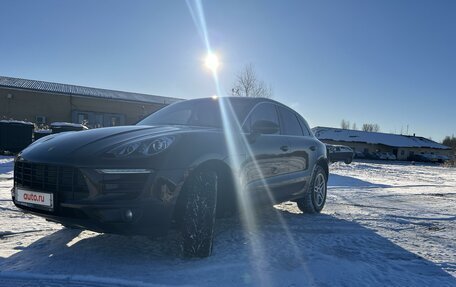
(393, 140)
(41, 86)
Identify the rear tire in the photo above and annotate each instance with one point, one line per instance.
(348, 161)
(199, 214)
(315, 198)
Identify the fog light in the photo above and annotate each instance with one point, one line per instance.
(128, 215)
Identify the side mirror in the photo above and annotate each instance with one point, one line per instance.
(264, 127)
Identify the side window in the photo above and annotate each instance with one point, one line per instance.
(264, 111)
(305, 131)
(290, 123)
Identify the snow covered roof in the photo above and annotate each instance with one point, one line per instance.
(393, 140)
(16, 122)
(65, 124)
(42, 86)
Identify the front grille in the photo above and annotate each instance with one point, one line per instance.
(64, 182)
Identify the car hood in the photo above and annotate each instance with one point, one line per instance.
(70, 146)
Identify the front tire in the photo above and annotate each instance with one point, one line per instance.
(199, 214)
(315, 198)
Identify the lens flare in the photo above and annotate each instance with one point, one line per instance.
(212, 62)
(238, 149)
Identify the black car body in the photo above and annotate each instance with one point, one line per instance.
(340, 153)
(132, 179)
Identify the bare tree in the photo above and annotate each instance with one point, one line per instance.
(248, 85)
(345, 124)
(450, 141)
(371, 128)
(376, 128)
(354, 127)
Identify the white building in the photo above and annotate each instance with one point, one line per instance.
(402, 146)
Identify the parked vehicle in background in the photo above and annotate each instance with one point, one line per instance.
(340, 153)
(60, 127)
(420, 158)
(442, 158)
(390, 156)
(360, 155)
(373, 155)
(427, 157)
(177, 168)
(381, 156)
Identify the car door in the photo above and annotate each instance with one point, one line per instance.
(300, 146)
(346, 154)
(265, 156)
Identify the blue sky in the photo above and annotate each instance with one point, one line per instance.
(389, 62)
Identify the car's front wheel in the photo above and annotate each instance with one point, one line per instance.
(315, 198)
(198, 218)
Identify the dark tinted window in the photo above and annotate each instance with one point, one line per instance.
(202, 112)
(290, 124)
(264, 111)
(305, 131)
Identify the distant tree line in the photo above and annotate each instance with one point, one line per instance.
(371, 127)
(344, 124)
(450, 141)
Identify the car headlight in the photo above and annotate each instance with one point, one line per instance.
(143, 147)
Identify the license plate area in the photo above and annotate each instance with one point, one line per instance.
(34, 199)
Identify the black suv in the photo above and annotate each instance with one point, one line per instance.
(179, 167)
(340, 153)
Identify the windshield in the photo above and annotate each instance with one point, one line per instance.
(200, 112)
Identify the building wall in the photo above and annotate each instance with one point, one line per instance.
(24, 105)
(28, 105)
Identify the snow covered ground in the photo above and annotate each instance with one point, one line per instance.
(383, 225)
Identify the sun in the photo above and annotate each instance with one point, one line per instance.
(212, 62)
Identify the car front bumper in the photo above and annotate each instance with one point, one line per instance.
(111, 203)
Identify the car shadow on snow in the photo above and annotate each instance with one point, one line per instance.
(336, 180)
(283, 248)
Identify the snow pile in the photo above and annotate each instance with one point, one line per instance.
(6, 167)
(43, 131)
(384, 225)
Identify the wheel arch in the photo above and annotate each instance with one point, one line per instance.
(226, 196)
(323, 163)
